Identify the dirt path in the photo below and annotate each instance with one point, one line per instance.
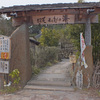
(54, 83)
(56, 77)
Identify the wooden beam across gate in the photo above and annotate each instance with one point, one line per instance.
(71, 13)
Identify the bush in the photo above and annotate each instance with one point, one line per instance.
(44, 56)
(35, 70)
(15, 76)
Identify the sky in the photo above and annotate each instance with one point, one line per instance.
(7, 3)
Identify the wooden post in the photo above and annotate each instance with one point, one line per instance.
(88, 31)
(1, 81)
(88, 54)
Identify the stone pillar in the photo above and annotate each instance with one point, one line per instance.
(20, 54)
(89, 70)
(87, 77)
(88, 32)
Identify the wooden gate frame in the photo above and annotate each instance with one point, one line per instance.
(72, 13)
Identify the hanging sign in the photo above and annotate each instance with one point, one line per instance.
(4, 67)
(4, 47)
(54, 19)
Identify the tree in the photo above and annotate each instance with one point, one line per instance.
(96, 41)
(81, 1)
(49, 37)
(73, 33)
(6, 26)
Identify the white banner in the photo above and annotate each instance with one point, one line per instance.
(83, 46)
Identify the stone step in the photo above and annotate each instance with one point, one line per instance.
(49, 83)
(48, 88)
(53, 77)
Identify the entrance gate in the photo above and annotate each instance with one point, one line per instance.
(77, 13)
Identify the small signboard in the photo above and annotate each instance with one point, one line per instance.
(4, 47)
(73, 59)
(4, 67)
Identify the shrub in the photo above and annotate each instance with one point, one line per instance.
(35, 70)
(44, 56)
(15, 76)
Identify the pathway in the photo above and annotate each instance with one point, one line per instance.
(55, 78)
(54, 83)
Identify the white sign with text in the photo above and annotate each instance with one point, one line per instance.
(4, 47)
(4, 67)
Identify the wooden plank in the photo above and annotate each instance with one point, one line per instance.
(97, 73)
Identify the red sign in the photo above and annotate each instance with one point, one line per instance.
(4, 55)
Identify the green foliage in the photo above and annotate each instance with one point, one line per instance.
(36, 70)
(49, 37)
(15, 76)
(9, 90)
(55, 61)
(77, 54)
(81, 1)
(96, 40)
(73, 34)
(6, 27)
(48, 64)
(99, 92)
(43, 55)
(34, 29)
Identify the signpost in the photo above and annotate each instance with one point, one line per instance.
(5, 54)
(72, 60)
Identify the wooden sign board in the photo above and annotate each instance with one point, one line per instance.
(4, 67)
(62, 19)
(4, 47)
(72, 59)
(45, 19)
(54, 19)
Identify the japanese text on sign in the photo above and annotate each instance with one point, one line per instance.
(4, 66)
(4, 47)
(53, 19)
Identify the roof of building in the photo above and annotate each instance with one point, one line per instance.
(49, 6)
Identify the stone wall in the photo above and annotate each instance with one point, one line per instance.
(20, 54)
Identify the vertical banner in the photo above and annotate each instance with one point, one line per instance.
(83, 46)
